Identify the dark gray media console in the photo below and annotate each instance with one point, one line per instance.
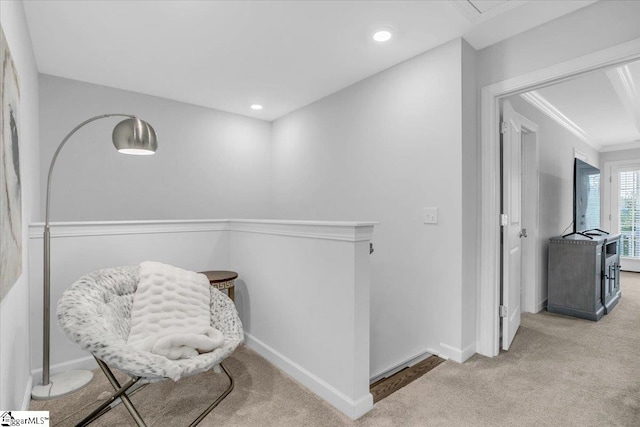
(584, 274)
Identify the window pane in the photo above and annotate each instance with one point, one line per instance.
(629, 203)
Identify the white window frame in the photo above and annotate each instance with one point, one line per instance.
(611, 206)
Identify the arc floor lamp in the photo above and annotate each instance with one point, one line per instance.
(130, 136)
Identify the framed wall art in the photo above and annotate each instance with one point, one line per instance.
(10, 185)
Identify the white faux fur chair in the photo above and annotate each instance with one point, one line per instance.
(95, 312)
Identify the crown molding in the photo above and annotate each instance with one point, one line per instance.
(622, 81)
(541, 103)
(622, 146)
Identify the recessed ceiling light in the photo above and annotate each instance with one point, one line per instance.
(382, 36)
(256, 107)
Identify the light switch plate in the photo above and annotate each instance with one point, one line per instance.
(430, 215)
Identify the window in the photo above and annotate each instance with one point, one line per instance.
(629, 213)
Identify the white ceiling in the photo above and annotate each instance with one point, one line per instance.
(228, 55)
(602, 108)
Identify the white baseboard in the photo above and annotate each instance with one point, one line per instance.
(416, 358)
(468, 351)
(87, 362)
(26, 400)
(354, 409)
(456, 354)
(541, 306)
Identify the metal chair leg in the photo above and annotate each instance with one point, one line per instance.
(217, 401)
(114, 401)
(100, 410)
(121, 393)
(125, 399)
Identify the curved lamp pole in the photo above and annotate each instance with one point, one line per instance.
(130, 136)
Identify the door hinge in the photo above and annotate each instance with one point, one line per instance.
(503, 220)
(503, 311)
(503, 127)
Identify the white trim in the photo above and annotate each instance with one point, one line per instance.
(489, 251)
(87, 362)
(630, 264)
(329, 230)
(475, 16)
(621, 146)
(467, 9)
(541, 305)
(622, 81)
(610, 172)
(408, 362)
(26, 400)
(541, 103)
(304, 222)
(354, 409)
(110, 228)
(459, 355)
(348, 232)
(489, 245)
(468, 351)
(527, 124)
(577, 154)
(610, 210)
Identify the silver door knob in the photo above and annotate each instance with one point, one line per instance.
(523, 232)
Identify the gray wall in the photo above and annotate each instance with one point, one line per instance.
(209, 164)
(382, 150)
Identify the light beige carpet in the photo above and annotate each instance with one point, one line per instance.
(560, 371)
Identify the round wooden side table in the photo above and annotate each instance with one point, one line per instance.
(222, 280)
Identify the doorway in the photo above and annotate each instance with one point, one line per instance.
(489, 242)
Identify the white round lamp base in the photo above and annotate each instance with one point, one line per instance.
(61, 385)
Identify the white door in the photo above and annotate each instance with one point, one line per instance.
(511, 147)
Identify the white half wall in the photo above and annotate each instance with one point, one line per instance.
(302, 291)
(15, 385)
(209, 164)
(304, 302)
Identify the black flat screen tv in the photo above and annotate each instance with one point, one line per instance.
(586, 197)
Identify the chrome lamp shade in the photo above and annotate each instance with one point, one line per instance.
(134, 136)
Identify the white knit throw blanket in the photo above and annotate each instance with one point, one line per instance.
(170, 314)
